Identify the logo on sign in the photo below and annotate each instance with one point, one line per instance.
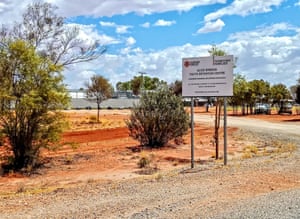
(191, 63)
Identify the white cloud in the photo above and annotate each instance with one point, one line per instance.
(86, 75)
(107, 24)
(113, 7)
(162, 22)
(9, 12)
(10, 9)
(269, 52)
(121, 29)
(211, 26)
(89, 34)
(264, 31)
(237, 7)
(164, 64)
(130, 41)
(244, 8)
(145, 25)
(261, 53)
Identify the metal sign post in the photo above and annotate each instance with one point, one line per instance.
(192, 132)
(225, 131)
(210, 76)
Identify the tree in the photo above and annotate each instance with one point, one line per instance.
(123, 86)
(295, 91)
(298, 94)
(31, 94)
(261, 90)
(176, 87)
(158, 118)
(98, 89)
(141, 82)
(217, 52)
(52, 38)
(279, 92)
(33, 54)
(240, 92)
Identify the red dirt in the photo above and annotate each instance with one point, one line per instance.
(106, 151)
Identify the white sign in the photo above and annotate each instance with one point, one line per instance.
(210, 76)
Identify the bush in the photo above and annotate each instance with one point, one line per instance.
(144, 161)
(158, 118)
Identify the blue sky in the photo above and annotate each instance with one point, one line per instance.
(154, 35)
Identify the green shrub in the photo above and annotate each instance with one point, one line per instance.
(158, 118)
(144, 162)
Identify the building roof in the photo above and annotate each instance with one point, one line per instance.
(114, 103)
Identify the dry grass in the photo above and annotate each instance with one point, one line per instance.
(270, 149)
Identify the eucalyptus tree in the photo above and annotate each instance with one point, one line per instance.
(98, 89)
(49, 34)
(176, 87)
(298, 94)
(240, 92)
(279, 92)
(31, 93)
(261, 90)
(139, 83)
(34, 52)
(214, 51)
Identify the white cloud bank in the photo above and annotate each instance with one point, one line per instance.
(261, 54)
(9, 11)
(238, 7)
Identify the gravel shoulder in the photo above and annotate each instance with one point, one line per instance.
(260, 187)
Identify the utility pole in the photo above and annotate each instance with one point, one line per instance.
(142, 82)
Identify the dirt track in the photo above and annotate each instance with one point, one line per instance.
(287, 126)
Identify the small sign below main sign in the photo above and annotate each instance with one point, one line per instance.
(210, 76)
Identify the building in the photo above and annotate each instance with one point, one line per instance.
(120, 100)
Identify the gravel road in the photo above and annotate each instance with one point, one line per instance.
(260, 187)
(286, 128)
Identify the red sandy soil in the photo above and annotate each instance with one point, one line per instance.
(105, 151)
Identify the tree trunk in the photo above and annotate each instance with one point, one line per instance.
(25, 155)
(98, 113)
(217, 126)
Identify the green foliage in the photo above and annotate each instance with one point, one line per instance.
(144, 161)
(279, 92)
(240, 90)
(32, 55)
(176, 87)
(260, 91)
(31, 92)
(250, 92)
(123, 86)
(159, 117)
(215, 51)
(141, 82)
(98, 90)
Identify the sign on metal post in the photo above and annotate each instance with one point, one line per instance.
(210, 76)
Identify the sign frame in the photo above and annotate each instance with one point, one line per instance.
(209, 76)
